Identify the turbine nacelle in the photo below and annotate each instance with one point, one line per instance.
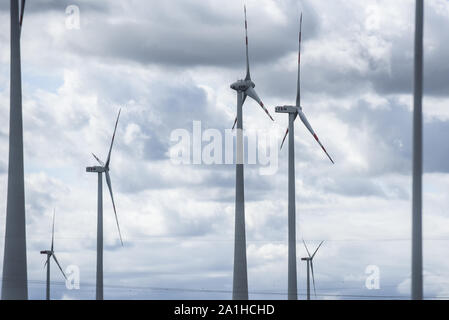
(287, 109)
(243, 85)
(48, 252)
(96, 169)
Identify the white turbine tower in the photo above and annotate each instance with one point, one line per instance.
(51, 253)
(103, 168)
(14, 279)
(417, 276)
(293, 112)
(244, 89)
(309, 261)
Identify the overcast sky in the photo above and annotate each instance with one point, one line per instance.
(171, 63)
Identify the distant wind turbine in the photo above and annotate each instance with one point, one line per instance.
(51, 253)
(417, 276)
(14, 278)
(293, 112)
(103, 168)
(309, 260)
(244, 89)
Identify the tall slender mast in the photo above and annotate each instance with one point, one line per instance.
(292, 274)
(103, 168)
(14, 281)
(48, 277)
(417, 276)
(308, 279)
(244, 89)
(240, 280)
(99, 291)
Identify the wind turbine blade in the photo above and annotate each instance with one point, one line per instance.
(286, 132)
(56, 260)
(252, 93)
(248, 76)
(313, 255)
(235, 122)
(98, 160)
(313, 276)
(22, 11)
(309, 127)
(283, 140)
(53, 231)
(112, 142)
(243, 102)
(306, 247)
(108, 181)
(298, 92)
(45, 264)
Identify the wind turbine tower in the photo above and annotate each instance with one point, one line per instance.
(14, 278)
(417, 276)
(103, 168)
(309, 261)
(244, 89)
(293, 112)
(51, 253)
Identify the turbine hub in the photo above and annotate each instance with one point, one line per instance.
(242, 85)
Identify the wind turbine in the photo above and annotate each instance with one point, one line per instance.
(417, 276)
(309, 260)
(103, 168)
(14, 278)
(293, 112)
(51, 253)
(244, 89)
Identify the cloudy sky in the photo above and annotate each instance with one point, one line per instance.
(171, 63)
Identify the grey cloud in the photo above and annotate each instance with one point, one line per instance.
(388, 152)
(213, 38)
(436, 70)
(391, 128)
(326, 77)
(38, 201)
(158, 36)
(183, 225)
(175, 107)
(355, 187)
